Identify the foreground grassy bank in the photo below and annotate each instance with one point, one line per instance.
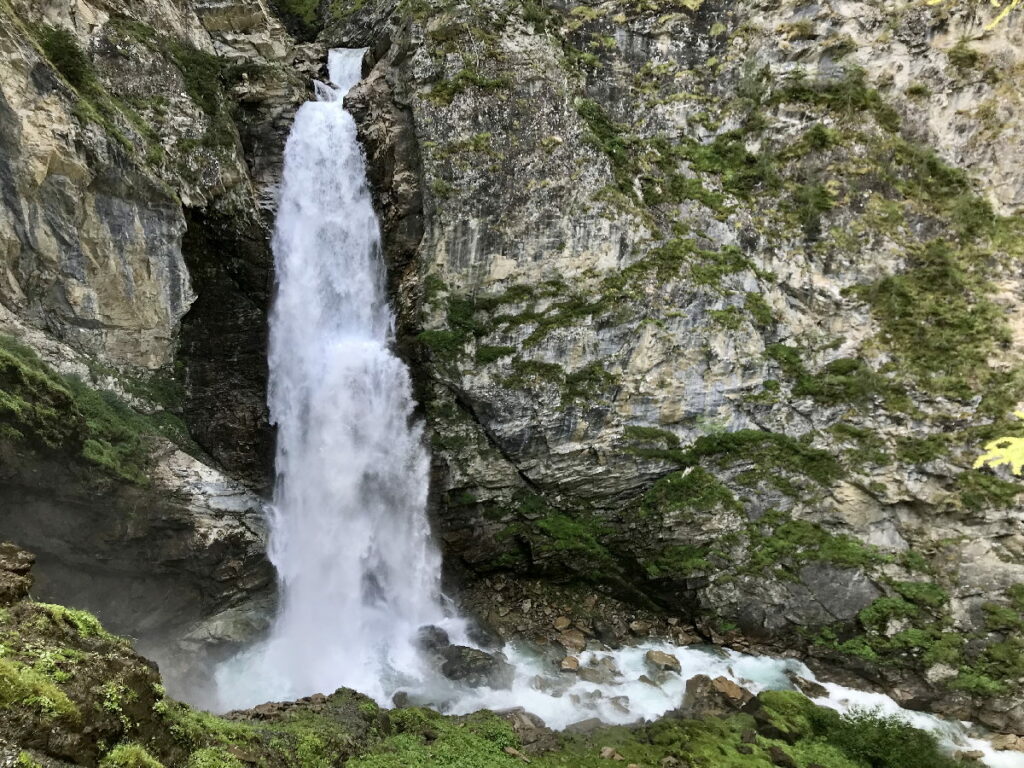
(71, 693)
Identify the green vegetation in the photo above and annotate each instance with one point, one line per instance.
(759, 310)
(846, 380)
(485, 355)
(677, 562)
(810, 201)
(348, 728)
(95, 103)
(572, 537)
(46, 411)
(809, 735)
(445, 91)
(693, 489)
(300, 16)
(605, 136)
(963, 57)
(207, 79)
(82, 622)
(212, 758)
(849, 96)
(913, 629)
(979, 490)
(129, 756)
(771, 453)
(23, 687)
(937, 315)
(62, 49)
(425, 738)
(783, 545)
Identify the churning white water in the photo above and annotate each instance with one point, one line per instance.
(349, 533)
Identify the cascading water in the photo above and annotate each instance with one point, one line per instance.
(349, 533)
(348, 529)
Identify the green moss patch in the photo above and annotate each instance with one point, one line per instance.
(913, 629)
(425, 738)
(147, 730)
(44, 410)
(938, 318)
(21, 686)
(129, 756)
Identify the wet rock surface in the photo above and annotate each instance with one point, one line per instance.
(476, 668)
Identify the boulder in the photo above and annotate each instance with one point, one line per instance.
(705, 697)
(973, 755)
(781, 757)
(1008, 741)
(595, 675)
(534, 736)
(584, 727)
(640, 628)
(659, 661)
(809, 688)
(569, 664)
(601, 670)
(572, 640)
(512, 751)
(476, 668)
(432, 639)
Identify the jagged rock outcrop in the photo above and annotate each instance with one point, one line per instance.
(140, 150)
(714, 306)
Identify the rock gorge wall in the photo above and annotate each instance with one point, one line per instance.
(710, 307)
(713, 308)
(140, 147)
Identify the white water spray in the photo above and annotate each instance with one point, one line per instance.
(349, 533)
(348, 528)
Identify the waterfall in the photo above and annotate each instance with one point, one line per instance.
(349, 535)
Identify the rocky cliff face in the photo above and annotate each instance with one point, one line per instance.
(710, 306)
(140, 147)
(713, 308)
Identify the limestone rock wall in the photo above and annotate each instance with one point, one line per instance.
(140, 150)
(713, 308)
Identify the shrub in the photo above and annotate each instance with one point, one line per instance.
(62, 49)
(880, 741)
(212, 758)
(129, 756)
